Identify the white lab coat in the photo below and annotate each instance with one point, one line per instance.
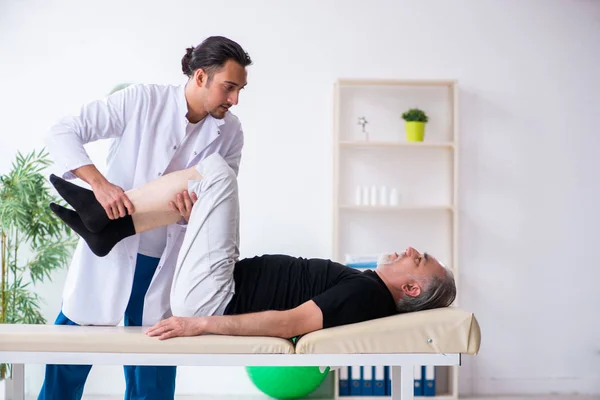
(147, 123)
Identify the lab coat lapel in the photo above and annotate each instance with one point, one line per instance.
(165, 140)
(209, 132)
(159, 160)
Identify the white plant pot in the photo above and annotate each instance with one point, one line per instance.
(6, 389)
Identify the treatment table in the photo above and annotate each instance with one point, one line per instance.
(433, 337)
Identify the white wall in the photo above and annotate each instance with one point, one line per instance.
(529, 77)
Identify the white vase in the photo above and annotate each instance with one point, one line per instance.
(6, 389)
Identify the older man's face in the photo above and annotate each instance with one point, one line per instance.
(412, 262)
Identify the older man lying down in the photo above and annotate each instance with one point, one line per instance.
(213, 291)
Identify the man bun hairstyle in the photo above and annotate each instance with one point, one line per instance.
(211, 55)
(186, 61)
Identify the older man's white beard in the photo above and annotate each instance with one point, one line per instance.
(384, 259)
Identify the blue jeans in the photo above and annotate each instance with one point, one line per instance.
(66, 382)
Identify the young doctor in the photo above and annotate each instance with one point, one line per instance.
(157, 129)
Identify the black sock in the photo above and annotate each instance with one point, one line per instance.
(101, 243)
(84, 202)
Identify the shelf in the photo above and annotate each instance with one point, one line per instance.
(427, 213)
(395, 208)
(396, 144)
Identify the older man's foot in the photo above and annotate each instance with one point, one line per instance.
(101, 243)
(83, 200)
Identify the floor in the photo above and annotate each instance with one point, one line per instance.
(556, 397)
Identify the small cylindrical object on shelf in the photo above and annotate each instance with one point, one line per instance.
(365, 196)
(358, 196)
(394, 197)
(383, 196)
(373, 195)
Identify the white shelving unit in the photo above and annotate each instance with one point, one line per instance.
(424, 174)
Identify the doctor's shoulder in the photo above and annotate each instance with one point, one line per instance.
(148, 94)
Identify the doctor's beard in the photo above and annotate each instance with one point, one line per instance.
(220, 111)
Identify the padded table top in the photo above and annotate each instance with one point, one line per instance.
(443, 330)
(446, 330)
(130, 339)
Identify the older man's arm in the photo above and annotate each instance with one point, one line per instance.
(285, 324)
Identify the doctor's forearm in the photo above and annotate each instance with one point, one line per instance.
(90, 174)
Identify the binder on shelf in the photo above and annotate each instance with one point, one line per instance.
(355, 380)
(388, 380)
(343, 386)
(429, 381)
(419, 380)
(379, 381)
(367, 380)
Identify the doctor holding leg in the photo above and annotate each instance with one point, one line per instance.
(156, 129)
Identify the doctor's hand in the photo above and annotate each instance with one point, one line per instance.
(113, 199)
(183, 204)
(177, 326)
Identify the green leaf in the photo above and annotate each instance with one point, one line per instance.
(50, 256)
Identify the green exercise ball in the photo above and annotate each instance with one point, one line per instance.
(286, 382)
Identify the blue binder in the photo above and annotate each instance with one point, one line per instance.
(388, 380)
(429, 381)
(379, 381)
(343, 386)
(419, 380)
(355, 380)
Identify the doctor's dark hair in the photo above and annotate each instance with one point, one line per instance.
(211, 55)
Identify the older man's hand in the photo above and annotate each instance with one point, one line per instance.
(176, 326)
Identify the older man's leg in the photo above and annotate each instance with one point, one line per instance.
(203, 280)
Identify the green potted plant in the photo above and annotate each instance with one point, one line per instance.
(415, 124)
(27, 225)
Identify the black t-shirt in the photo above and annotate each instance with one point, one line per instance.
(278, 282)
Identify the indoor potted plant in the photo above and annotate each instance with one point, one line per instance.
(33, 241)
(415, 124)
